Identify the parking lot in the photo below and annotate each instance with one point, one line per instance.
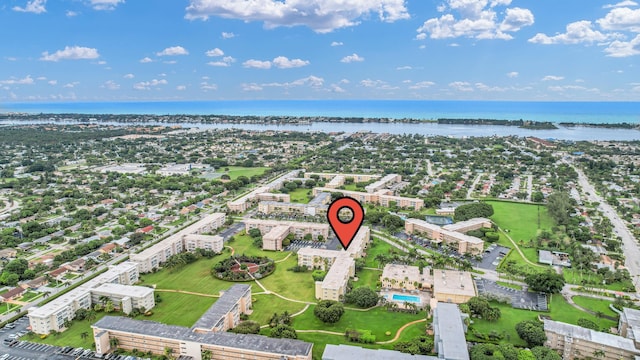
(491, 257)
(520, 299)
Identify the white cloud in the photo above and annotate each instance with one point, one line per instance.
(101, 62)
(71, 53)
(344, 81)
(181, 88)
(311, 81)
(257, 64)
(624, 48)
(71, 85)
(147, 85)
(422, 85)
(170, 62)
(27, 80)
(337, 89)
(571, 87)
(461, 86)
(282, 62)
(404, 68)
(352, 58)
(105, 4)
(483, 87)
(552, 78)
(226, 61)
(52, 82)
(621, 19)
(11, 58)
(228, 35)
(337, 43)
(111, 85)
(146, 60)
(214, 52)
(513, 74)
(516, 19)
(173, 51)
(620, 4)
(41, 78)
(33, 6)
(478, 19)
(320, 15)
(70, 13)
(251, 87)
(129, 76)
(371, 83)
(576, 33)
(206, 86)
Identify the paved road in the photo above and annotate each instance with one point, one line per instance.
(529, 187)
(473, 186)
(630, 244)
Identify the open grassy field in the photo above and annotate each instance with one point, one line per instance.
(521, 221)
(265, 305)
(368, 278)
(573, 276)
(377, 247)
(378, 320)
(300, 195)
(172, 309)
(235, 171)
(597, 305)
(296, 286)
(72, 336)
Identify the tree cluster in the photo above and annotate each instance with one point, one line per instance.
(473, 210)
(532, 332)
(328, 311)
(362, 297)
(421, 345)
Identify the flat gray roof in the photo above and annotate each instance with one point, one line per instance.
(238, 341)
(578, 332)
(448, 327)
(221, 307)
(348, 352)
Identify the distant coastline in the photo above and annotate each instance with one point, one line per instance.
(295, 120)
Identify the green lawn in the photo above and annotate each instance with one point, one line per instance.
(72, 336)
(562, 311)
(235, 171)
(29, 295)
(320, 341)
(521, 221)
(265, 305)
(244, 245)
(595, 304)
(296, 286)
(573, 276)
(509, 285)
(367, 278)
(378, 320)
(377, 247)
(300, 195)
(171, 310)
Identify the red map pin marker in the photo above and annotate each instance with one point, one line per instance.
(345, 230)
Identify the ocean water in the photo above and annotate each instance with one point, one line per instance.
(577, 112)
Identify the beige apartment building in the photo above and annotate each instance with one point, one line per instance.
(264, 192)
(452, 286)
(356, 177)
(381, 197)
(317, 206)
(53, 315)
(208, 334)
(317, 258)
(383, 183)
(334, 285)
(576, 342)
(395, 276)
(274, 231)
(125, 297)
(466, 244)
(224, 314)
(187, 239)
(468, 225)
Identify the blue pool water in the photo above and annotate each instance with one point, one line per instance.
(409, 298)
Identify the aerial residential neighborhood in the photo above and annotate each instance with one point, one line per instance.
(203, 251)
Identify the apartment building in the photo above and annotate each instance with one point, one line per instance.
(187, 239)
(356, 177)
(224, 314)
(274, 231)
(381, 197)
(155, 337)
(629, 325)
(125, 297)
(334, 285)
(466, 244)
(273, 197)
(317, 206)
(452, 286)
(468, 225)
(53, 315)
(317, 258)
(449, 329)
(576, 342)
(336, 182)
(396, 276)
(383, 183)
(245, 202)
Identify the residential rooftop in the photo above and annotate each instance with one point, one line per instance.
(581, 333)
(221, 307)
(449, 329)
(348, 352)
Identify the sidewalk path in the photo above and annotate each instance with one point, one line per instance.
(400, 331)
(187, 292)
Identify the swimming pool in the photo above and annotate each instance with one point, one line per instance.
(409, 298)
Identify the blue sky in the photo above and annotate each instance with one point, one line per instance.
(127, 50)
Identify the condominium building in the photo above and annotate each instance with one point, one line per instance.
(381, 197)
(274, 231)
(468, 225)
(383, 183)
(350, 352)
(317, 258)
(336, 182)
(317, 206)
(465, 244)
(576, 342)
(273, 197)
(356, 177)
(245, 202)
(396, 276)
(187, 239)
(125, 297)
(52, 316)
(452, 286)
(334, 285)
(629, 325)
(224, 314)
(144, 335)
(449, 329)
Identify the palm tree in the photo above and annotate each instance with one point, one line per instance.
(206, 354)
(84, 335)
(91, 316)
(168, 352)
(381, 259)
(114, 342)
